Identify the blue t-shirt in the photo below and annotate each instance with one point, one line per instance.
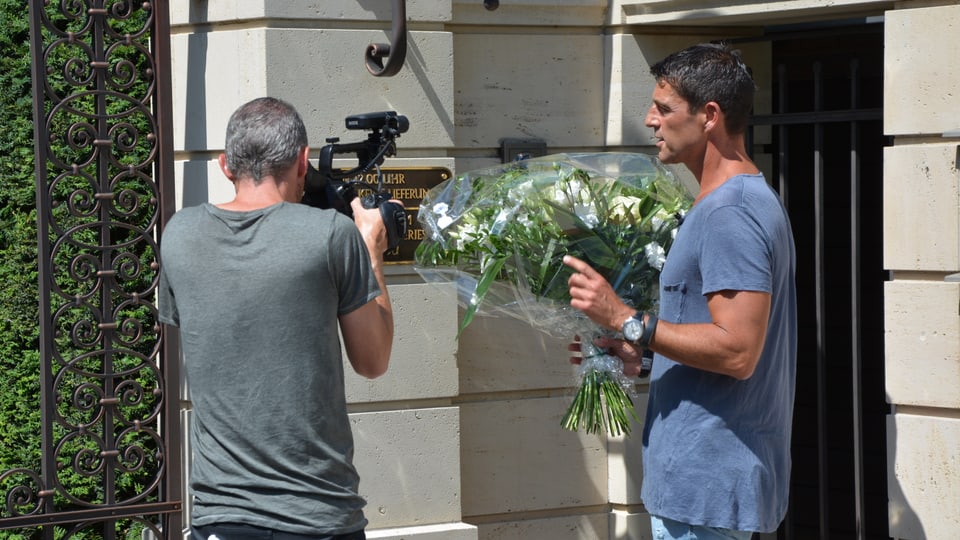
(716, 450)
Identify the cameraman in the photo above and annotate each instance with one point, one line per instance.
(259, 287)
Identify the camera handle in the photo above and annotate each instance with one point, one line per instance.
(325, 191)
(394, 216)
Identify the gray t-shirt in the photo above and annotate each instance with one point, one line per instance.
(717, 449)
(257, 296)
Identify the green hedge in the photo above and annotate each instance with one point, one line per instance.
(19, 333)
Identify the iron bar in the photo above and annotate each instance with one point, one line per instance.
(818, 173)
(782, 155)
(783, 181)
(47, 521)
(172, 487)
(48, 468)
(855, 304)
(819, 117)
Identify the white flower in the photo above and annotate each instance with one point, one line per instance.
(658, 219)
(499, 222)
(621, 206)
(524, 219)
(656, 256)
(587, 214)
(443, 221)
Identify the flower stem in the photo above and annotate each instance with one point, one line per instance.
(600, 404)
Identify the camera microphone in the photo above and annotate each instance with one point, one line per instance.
(379, 120)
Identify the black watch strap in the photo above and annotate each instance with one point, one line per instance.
(648, 329)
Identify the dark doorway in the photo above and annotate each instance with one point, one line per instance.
(827, 149)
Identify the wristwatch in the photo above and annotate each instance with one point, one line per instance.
(634, 327)
(635, 330)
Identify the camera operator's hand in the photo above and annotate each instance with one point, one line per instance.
(371, 226)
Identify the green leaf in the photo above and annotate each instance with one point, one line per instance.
(489, 276)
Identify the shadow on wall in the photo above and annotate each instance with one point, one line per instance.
(415, 65)
(195, 184)
(904, 522)
(195, 110)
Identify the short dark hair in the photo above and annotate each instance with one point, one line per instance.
(264, 137)
(711, 72)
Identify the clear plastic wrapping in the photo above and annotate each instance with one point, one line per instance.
(500, 235)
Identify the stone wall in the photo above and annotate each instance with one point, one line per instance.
(922, 248)
(461, 439)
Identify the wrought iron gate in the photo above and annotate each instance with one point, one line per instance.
(109, 380)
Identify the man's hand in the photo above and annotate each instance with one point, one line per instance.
(594, 296)
(627, 352)
(371, 226)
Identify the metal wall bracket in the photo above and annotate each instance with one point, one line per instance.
(517, 149)
(396, 50)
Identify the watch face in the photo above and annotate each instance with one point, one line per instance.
(632, 329)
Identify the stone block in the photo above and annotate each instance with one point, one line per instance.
(919, 89)
(443, 531)
(923, 476)
(625, 460)
(423, 362)
(922, 343)
(324, 12)
(213, 74)
(573, 527)
(632, 525)
(199, 181)
(541, 13)
(409, 465)
(921, 200)
(314, 70)
(544, 86)
(517, 458)
(499, 354)
(216, 72)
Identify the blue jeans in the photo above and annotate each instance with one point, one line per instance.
(668, 529)
(237, 531)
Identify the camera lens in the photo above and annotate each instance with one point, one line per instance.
(491, 4)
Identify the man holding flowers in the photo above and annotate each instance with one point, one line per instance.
(716, 438)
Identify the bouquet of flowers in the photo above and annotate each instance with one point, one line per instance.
(500, 235)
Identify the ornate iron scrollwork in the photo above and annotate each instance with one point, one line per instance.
(396, 50)
(106, 404)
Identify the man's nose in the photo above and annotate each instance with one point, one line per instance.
(650, 117)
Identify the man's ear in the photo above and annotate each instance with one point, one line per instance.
(713, 116)
(222, 159)
(303, 160)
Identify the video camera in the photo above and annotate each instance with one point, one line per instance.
(326, 188)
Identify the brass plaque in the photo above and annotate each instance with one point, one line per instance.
(409, 186)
